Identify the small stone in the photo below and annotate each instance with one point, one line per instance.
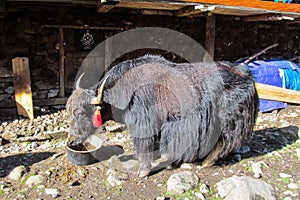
(52, 93)
(204, 188)
(284, 175)
(183, 181)
(10, 90)
(17, 173)
(82, 172)
(238, 157)
(40, 187)
(4, 185)
(53, 192)
(294, 115)
(116, 178)
(199, 195)
(298, 152)
(10, 136)
(288, 192)
(292, 186)
(186, 166)
(256, 167)
(35, 180)
(288, 198)
(34, 145)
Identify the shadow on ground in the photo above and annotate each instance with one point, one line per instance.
(8, 163)
(265, 141)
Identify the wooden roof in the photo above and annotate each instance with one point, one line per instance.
(255, 4)
(262, 10)
(250, 10)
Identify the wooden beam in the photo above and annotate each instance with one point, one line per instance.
(156, 12)
(85, 27)
(72, 2)
(266, 17)
(150, 5)
(270, 92)
(22, 85)
(2, 6)
(50, 102)
(295, 21)
(210, 34)
(61, 63)
(187, 11)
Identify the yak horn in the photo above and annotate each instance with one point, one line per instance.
(77, 86)
(98, 99)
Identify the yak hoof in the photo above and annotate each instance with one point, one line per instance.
(144, 173)
(207, 163)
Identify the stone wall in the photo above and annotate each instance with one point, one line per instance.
(236, 39)
(22, 33)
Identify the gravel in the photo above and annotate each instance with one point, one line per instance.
(36, 150)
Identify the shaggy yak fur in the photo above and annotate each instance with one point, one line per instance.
(183, 111)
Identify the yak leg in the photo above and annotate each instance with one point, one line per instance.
(214, 154)
(145, 149)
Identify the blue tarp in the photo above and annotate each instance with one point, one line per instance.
(280, 73)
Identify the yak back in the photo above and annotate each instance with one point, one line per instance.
(186, 81)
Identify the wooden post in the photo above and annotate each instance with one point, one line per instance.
(108, 51)
(61, 63)
(22, 84)
(210, 35)
(2, 6)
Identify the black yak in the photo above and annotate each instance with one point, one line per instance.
(186, 111)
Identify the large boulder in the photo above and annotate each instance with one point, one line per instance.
(181, 182)
(246, 188)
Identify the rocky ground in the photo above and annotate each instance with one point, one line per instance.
(33, 165)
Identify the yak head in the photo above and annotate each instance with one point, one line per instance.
(83, 108)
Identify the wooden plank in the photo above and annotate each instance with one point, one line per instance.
(156, 12)
(236, 11)
(104, 8)
(210, 35)
(61, 63)
(188, 11)
(22, 84)
(270, 92)
(266, 17)
(256, 4)
(155, 5)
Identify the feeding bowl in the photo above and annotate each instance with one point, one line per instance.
(84, 153)
(93, 149)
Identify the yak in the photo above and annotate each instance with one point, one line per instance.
(180, 111)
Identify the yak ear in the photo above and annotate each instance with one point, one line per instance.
(98, 99)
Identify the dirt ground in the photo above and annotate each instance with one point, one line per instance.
(275, 144)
